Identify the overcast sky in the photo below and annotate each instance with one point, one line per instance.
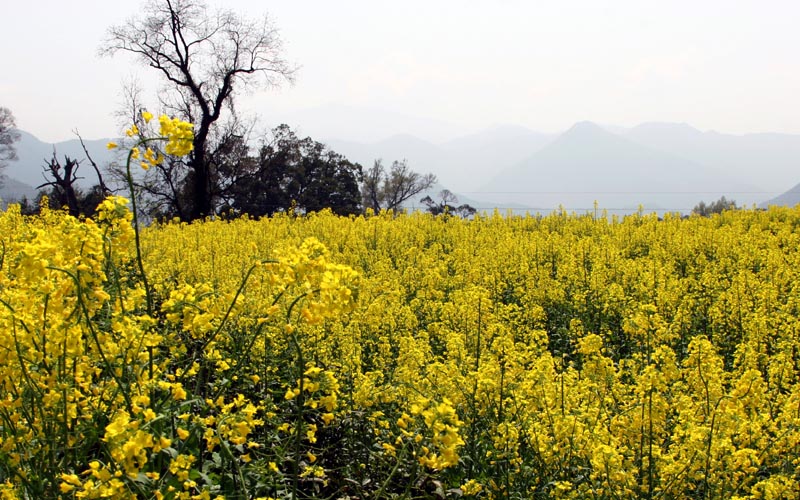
(731, 66)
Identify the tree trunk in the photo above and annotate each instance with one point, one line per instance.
(201, 205)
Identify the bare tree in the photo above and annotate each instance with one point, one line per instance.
(63, 189)
(205, 58)
(160, 191)
(382, 189)
(101, 185)
(371, 187)
(8, 136)
(447, 205)
(63, 181)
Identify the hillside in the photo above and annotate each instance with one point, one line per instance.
(33, 154)
(662, 166)
(789, 198)
(462, 164)
(13, 191)
(587, 164)
(769, 161)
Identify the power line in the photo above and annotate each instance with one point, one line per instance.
(574, 209)
(478, 193)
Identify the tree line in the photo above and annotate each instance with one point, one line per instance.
(285, 173)
(206, 58)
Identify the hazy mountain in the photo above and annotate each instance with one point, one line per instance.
(477, 158)
(422, 156)
(362, 124)
(614, 129)
(588, 163)
(33, 154)
(769, 162)
(788, 199)
(661, 165)
(13, 191)
(462, 164)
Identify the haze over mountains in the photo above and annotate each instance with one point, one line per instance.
(463, 164)
(588, 164)
(25, 174)
(660, 166)
(770, 160)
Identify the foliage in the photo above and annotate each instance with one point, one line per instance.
(8, 136)
(294, 174)
(563, 357)
(446, 205)
(387, 190)
(715, 207)
(205, 58)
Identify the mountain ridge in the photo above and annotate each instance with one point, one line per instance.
(750, 168)
(34, 154)
(589, 164)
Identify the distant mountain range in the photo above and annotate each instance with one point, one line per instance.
(463, 164)
(659, 166)
(22, 176)
(789, 198)
(770, 161)
(588, 164)
(14, 191)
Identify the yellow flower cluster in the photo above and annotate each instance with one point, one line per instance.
(442, 422)
(178, 134)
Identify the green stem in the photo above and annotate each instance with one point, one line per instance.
(100, 351)
(139, 261)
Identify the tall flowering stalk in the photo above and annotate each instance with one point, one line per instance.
(179, 138)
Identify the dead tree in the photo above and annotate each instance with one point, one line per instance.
(63, 182)
(205, 59)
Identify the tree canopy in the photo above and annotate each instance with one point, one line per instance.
(205, 59)
(388, 189)
(714, 207)
(293, 173)
(8, 136)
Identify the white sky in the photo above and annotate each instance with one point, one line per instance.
(731, 66)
